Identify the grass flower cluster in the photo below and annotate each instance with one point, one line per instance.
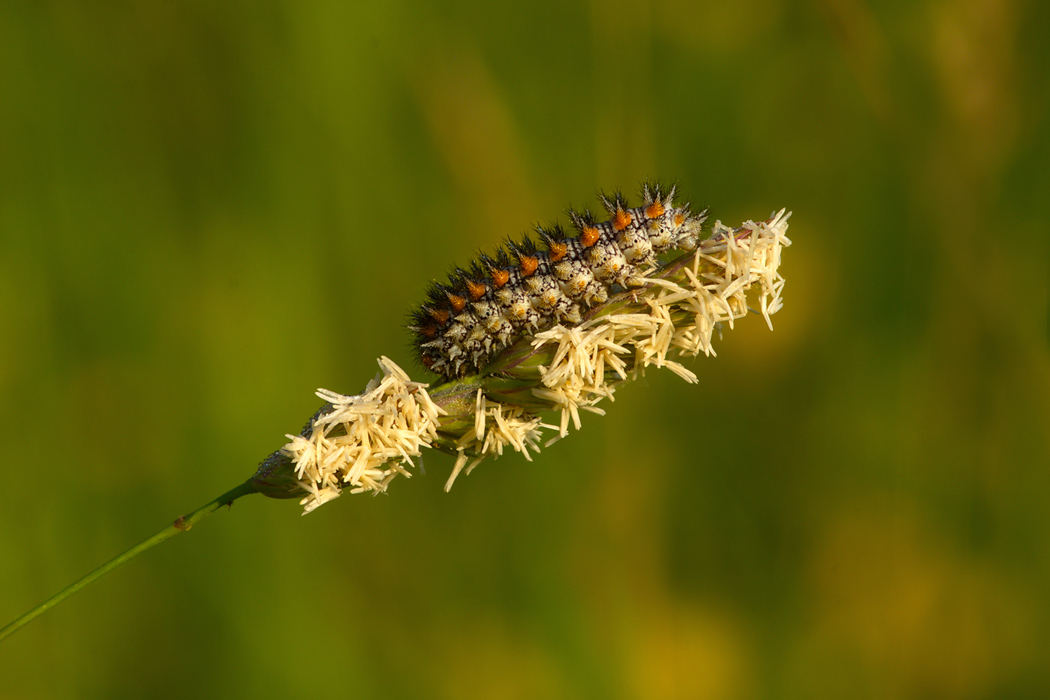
(362, 442)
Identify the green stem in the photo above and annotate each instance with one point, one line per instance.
(180, 525)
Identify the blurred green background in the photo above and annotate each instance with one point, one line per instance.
(207, 210)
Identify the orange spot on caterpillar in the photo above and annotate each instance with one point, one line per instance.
(679, 219)
(655, 209)
(458, 302)
(621, 221)
(440, 315)
(429, 331)
(500, 278)
(589, 236)
(528, 265)
(427, 361)
(558, 250)
(476, 290)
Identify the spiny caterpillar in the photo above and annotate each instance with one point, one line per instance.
(484, 308)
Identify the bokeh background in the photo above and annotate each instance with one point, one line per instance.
(207, 210)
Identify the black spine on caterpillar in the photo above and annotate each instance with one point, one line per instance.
(486, 307)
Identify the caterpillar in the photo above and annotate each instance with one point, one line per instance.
(483, 308)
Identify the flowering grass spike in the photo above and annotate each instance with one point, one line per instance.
(561, 365)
